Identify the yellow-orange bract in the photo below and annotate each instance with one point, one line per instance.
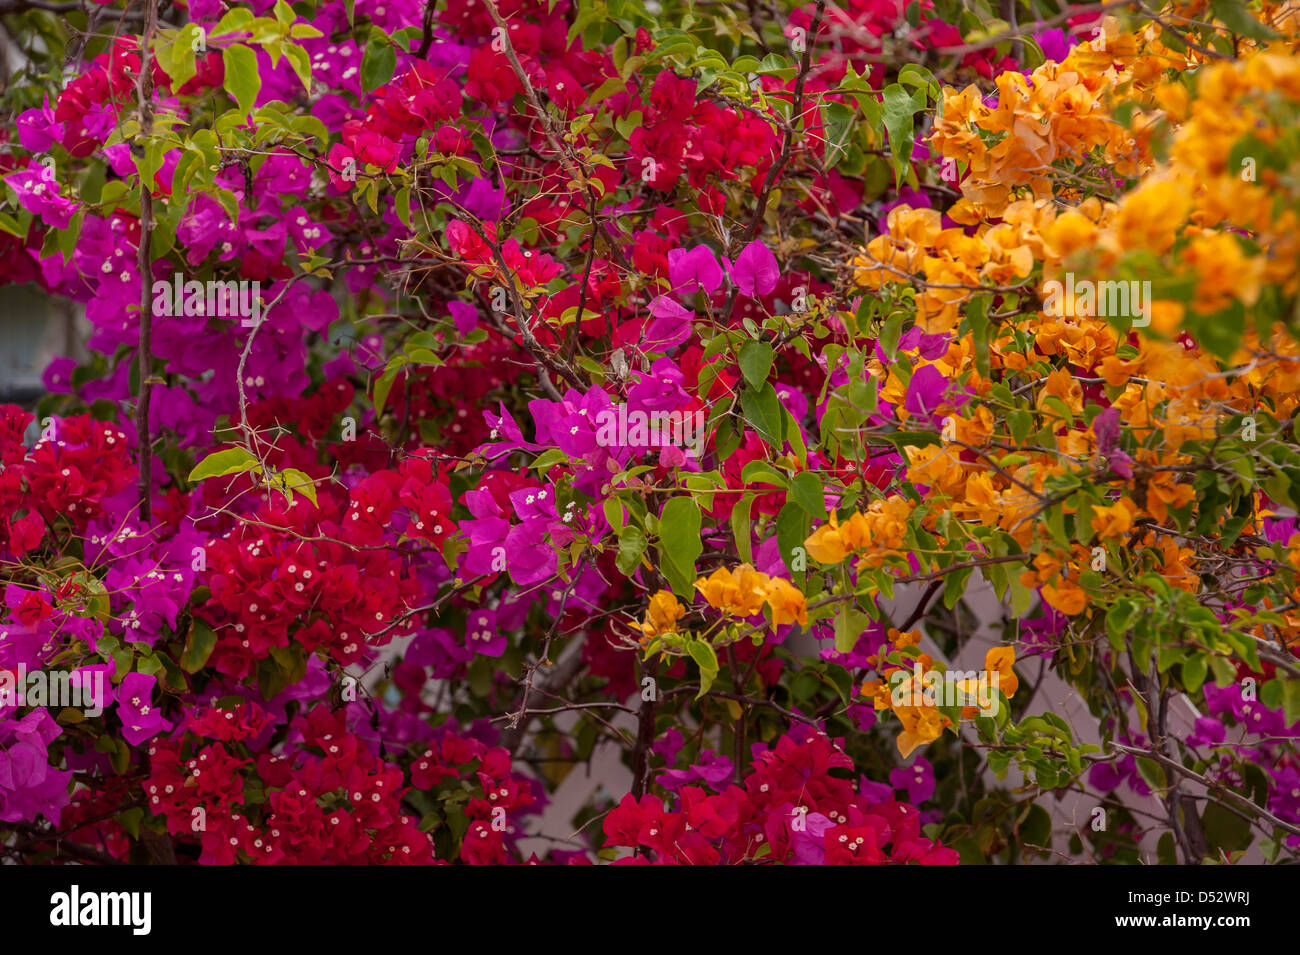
(788, 604)
(904, 693)
(662, 616)
(921, 725)
(739, 594)
(744, 591)
(1110, 157)
(876, 534)
(999, 660)
(1113, 521)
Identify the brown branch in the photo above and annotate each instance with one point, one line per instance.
(787, 141)
(545, 658)
(554, 680)
(545, 120)
(1215, 788)
(144, 94)
(426, 37)
(645, 735)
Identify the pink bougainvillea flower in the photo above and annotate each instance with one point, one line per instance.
(755, 271)
(341, 162)
(926, 390)
(141, 719)
(38, 193)
(38, 130)
(482, 634)
(693, 270)
(669, 326)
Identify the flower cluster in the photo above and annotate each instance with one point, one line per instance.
(789, 810)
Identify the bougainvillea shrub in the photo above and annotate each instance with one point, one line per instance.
(477, 388)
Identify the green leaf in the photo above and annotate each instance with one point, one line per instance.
(792, 529)
(613, 514)
(300, 62)
(1195, 669)
(1165, 851)
(1118, 620)
(295, 480)
(806, 491)
(1234, 15)
(838, 123)
(794, 437)
(680, 544)
(229, 203)
(703, 654)
(977, 315)
(1221, 332)
(130, 820)
(900, 107)
(762, 472)
(631, 546)
(762, 410)
(120, 758)
(707, 661)
(1152, 772)
(9, 224)
(741, 532)
(242, 80)
(1035, 827)
(615, 84)
(1256, 784)
(152, 162)
(1019, 421)
(179, 61)
(954, 586)
(755, 362)
(890, 333)
(1224, 828)
(378, 64)
(198, 648)
(235, 20)
(1291, 700)
(849, 626)
(221, 463)
(385, 383)
(913, 439)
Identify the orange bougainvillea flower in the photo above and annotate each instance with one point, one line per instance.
(1061, 384)
(1163, 493)
(1114, 521)
(855, 533)
(999, 660)
(921, 725)
(739, 594)
(878, 692)
(880, 532)
(662, 616)
(900, 640)
(825, 545)
(742, 593)
(1066, 596)
(719, 588)
(787, 603)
